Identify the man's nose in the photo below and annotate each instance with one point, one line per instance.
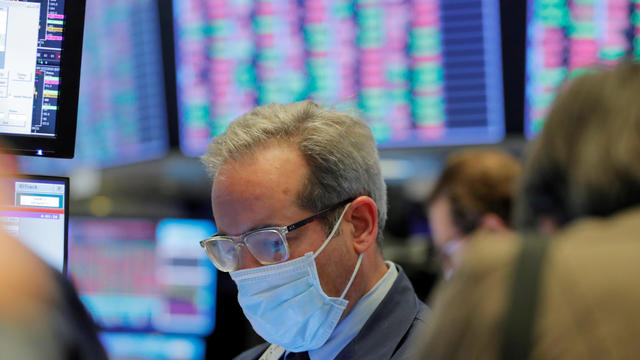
(246, 260)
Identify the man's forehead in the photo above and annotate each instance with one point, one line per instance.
(278, 166)
(257, 190)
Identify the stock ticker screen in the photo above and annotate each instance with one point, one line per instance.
(421, 72)
(565, 38)
(122, 107)
(144, 276)
(30, 48)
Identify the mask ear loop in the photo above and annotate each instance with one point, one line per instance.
(333, 232)
(353, 276)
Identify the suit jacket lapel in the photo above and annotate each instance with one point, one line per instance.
(382, 334)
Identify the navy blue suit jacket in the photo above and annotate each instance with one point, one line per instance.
(390, 332)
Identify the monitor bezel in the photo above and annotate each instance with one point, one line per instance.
(65, 180)
(62, 145)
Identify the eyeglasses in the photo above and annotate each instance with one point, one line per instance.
(268, 245)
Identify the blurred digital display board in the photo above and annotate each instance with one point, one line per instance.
(565, 38)
(144, 276)
(421, 72)
(122, 106)
(142, 346)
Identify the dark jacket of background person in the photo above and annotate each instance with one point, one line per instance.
(581, 189)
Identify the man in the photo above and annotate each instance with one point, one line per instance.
(475, 191)
(565, 288)
(300, 204)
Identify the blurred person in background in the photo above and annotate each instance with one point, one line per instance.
(41, 316)
(475, 192)
(565, 288)
(300, 204)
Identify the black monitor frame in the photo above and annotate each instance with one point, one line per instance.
(513, 19)
(62, 145)
(65, 180)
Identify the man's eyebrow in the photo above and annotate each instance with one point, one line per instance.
(259, 227)
(265, 226)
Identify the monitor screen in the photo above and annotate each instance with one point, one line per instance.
(185, 276)
(40, 47)
(142, 275)
(37, 215)
(423, 72)
(122, 115)
(564, 39)
(127, 346)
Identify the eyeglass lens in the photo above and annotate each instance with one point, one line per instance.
(267, 246)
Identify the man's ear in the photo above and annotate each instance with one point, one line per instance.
(493, 222)
(362, 216)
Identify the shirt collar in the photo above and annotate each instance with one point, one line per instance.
(349, 327)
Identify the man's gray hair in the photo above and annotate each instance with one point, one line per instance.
(339, 149)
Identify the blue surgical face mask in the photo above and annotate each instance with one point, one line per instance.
(286, 304)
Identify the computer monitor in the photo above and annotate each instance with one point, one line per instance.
(186, 277)
(422, 73)
(37, 215)
(40, 51)
(127, 346)
(141, 275)
(565, 39)
(122, 114)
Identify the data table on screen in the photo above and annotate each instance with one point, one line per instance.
(30, 49)
(421, 72)
(567, 38)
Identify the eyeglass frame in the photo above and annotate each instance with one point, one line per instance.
(281, 230)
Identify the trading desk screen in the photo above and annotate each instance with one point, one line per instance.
(30, 48)
(564, 38)
(121, 107)
(36, 215)
(152, 346)
(144, 276)
(421, 72)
